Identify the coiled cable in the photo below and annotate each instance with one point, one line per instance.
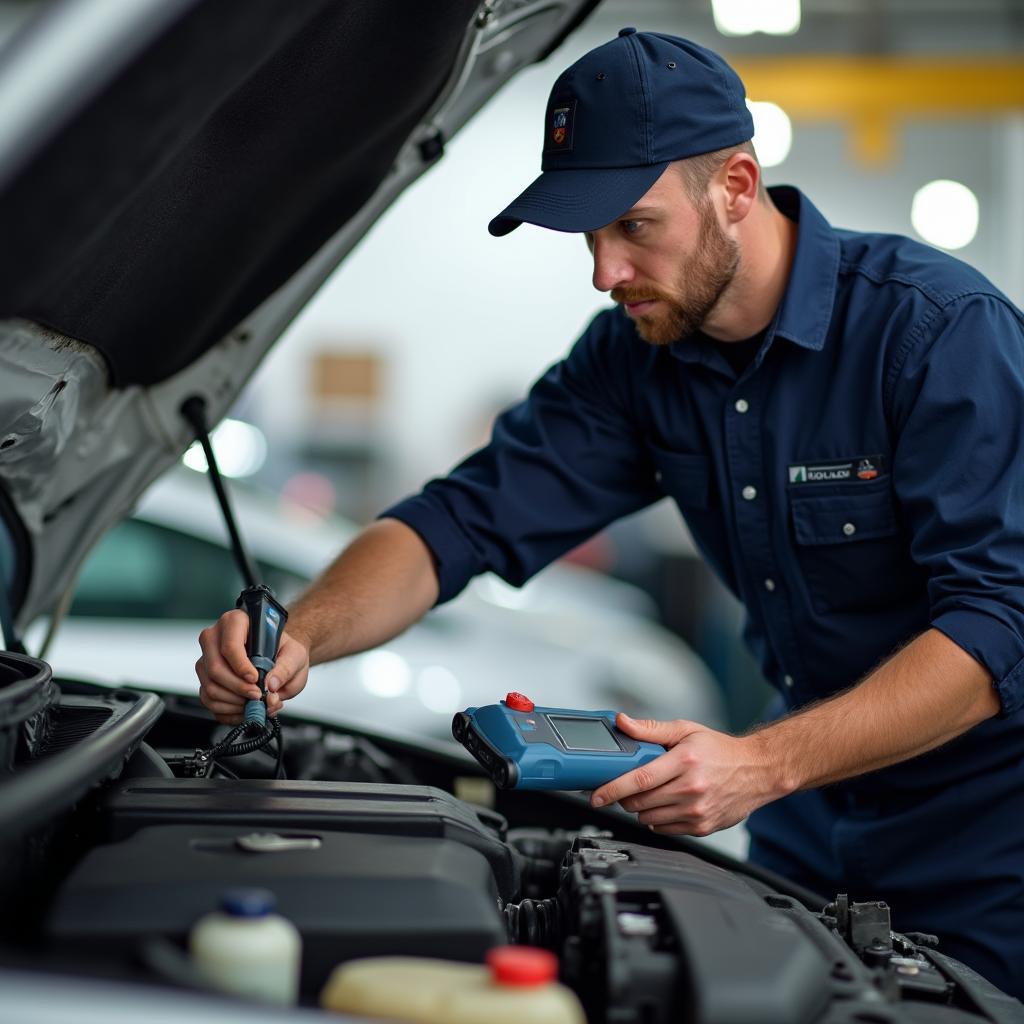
(260, 735)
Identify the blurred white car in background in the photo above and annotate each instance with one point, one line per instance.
(569, 638)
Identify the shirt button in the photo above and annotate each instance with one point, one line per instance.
(742, 405)
(769, 585)
(849, 529)
(750, 493)
(788, 680)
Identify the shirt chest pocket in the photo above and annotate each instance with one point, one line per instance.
(852, 552)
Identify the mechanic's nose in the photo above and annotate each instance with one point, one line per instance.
(611, 268)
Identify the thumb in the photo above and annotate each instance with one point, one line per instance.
(668, 734)
(292, 658)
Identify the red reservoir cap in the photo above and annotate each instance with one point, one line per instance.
(522, 965)
(518, 702)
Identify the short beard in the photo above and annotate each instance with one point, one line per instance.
(701, 284)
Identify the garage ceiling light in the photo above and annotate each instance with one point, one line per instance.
(744, 17)
(945, 213)
(773, 132)
(240, 449)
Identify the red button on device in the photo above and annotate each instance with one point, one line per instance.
(517, 702)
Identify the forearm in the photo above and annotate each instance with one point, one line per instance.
(381, 584)
(922, 697)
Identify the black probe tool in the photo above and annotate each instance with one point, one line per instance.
(267, 617)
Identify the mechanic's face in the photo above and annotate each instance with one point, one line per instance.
(667, 261)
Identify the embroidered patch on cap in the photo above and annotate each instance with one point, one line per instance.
(558, 131)
(861, 467)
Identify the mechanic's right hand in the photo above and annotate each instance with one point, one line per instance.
(227, 678)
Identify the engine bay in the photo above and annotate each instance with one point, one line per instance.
(117, 836)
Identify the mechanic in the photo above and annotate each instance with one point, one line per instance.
(839, 416)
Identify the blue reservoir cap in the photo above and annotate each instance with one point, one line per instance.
(248, 902)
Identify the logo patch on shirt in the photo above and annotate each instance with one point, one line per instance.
(866, 469)
(861, 467)
(558, 136)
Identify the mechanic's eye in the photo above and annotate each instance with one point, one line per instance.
(631, 227)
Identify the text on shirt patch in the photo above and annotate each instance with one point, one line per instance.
(863, 467)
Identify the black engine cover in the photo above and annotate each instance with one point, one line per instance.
(367, 807)
(362, 869)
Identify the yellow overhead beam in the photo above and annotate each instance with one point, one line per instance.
(827, 87)
(873, 95)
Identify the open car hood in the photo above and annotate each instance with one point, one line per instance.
(177, 178)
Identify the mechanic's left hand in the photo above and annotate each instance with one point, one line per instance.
(706, 780)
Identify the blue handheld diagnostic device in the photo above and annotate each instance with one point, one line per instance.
(522, 746)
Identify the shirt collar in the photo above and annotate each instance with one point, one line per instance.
(806, 309)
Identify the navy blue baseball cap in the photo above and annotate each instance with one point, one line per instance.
(617, 118)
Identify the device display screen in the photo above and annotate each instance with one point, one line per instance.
(584, 733)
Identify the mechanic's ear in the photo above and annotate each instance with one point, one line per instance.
(739, 177)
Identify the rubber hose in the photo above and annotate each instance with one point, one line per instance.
(534, 923)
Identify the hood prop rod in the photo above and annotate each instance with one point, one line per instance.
(194, 411)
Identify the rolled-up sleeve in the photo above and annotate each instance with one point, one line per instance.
(957, 402)
(560, 466)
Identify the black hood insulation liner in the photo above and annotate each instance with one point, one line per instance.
(213, 167)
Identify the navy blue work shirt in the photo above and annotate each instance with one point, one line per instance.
(860, 481)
